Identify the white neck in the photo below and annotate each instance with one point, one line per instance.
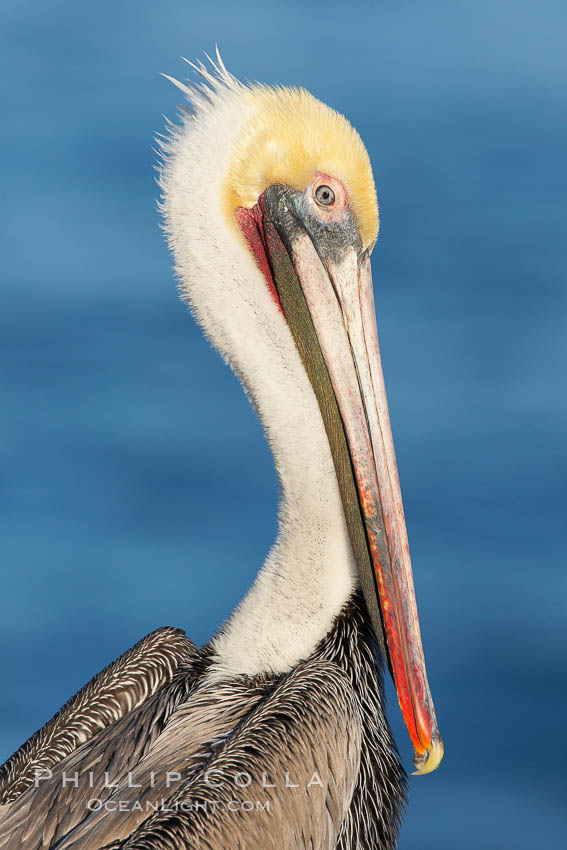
(309, 573)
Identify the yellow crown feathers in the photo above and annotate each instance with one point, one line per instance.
(292, 136)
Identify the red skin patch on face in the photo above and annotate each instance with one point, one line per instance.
(252, 225)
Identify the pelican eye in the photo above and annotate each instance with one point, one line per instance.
(324, 195)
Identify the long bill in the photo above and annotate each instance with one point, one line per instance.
(338, 292)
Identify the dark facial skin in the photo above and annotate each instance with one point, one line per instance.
(292, 214)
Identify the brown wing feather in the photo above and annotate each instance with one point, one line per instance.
(326, 716)
(308, 727)
(126, 683)
(171, 731)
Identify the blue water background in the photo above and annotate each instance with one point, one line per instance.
(135, 484)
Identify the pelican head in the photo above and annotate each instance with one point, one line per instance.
(271, 212)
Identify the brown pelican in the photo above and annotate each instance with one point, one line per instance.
(274, 734)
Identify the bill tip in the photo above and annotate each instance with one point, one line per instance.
(431, 759)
